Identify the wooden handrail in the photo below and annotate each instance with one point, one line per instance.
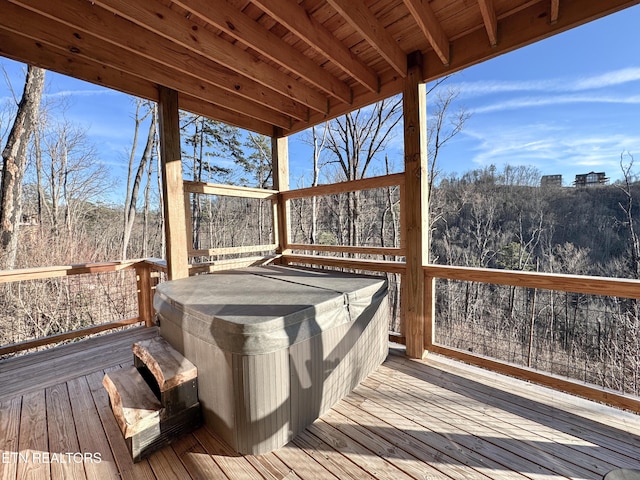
(39, 273)
(228, 190)
(351, 263)
(614, 287)
(391, 251)
(392, 180)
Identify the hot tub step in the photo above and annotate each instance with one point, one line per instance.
(173, 378)
(156, 400)
(134, 405)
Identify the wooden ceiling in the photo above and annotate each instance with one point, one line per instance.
(275, 64)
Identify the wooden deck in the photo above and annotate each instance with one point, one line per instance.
(428, 420)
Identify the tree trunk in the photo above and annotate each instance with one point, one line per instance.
(130, 210)
(14, 156)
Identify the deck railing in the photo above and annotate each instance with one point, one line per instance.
(574, 333)
(48, 305)
(440, 330)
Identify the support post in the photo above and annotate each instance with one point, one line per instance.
(145, 294)
(415, 206)
(280, 158)
(172, 187)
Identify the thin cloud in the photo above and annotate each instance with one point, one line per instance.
(81, 93)
(554, 85)
(528, 102)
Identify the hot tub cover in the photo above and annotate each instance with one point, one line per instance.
(258, 310)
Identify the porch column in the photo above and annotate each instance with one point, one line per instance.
(280, 165)
(172, 189)
(415, 204)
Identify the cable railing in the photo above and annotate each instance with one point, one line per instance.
(575, 333)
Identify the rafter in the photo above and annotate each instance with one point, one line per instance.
(183, 31)
(364, 21)
(490, 20)
(523, 27)
(555, 11)
(297, 20)
(239, 26)
(430, 26)
(32, 25)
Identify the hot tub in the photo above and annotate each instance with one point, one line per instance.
(275, 346)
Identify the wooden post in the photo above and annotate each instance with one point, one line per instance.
(416, 205)
(145, 296)
(429, 310)
(171, 163)
(280, 158)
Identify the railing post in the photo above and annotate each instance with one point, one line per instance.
(429, 310)
(145, 295)
(415, 205)
(280, 157)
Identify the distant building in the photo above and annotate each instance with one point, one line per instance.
(591, 179)
(551, 181)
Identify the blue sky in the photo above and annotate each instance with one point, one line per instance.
(566, 105)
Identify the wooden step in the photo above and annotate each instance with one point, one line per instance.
(134, 405)
(166, 364)
(173, 378)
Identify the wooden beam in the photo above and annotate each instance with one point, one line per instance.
(241, 27)
(351, 263)
(173, 196)
(416, 206)
(80, 41)
(181, 30)
(524, 27)
(490, 20)
(382, 181)
(27, 50)
(280, 167)
(555, 11)
(297, 20)
(430, 26)
(358, 15)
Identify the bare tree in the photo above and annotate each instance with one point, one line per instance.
(627, 207)
(133, 184)
(15, 157)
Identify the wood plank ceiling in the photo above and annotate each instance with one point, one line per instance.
(275, 65)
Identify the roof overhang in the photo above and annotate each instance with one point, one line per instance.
(275, 66)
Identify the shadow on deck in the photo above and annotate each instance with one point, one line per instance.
(427, 420)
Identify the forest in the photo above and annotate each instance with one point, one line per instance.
(492, 217)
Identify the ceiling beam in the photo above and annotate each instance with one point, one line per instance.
(524, 27)
(555, 11)
(33, 25)
(297, 20)
(170, 24)
(430, 26)
(490, 21)
(27, 50)
(356, 13)
(103, 24)
(239, 26)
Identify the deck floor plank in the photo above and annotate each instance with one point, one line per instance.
(167, 466)
(554, 456)
(92, 439)
(9, 436)
(232, 464)
(63, 439)
(511, 399)
(330, 458)
(433, 419)
(20, 376)
(33, 442)
(128, 470)
(196, 459)
(509, 452)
